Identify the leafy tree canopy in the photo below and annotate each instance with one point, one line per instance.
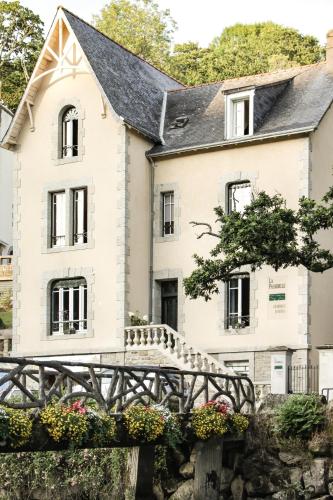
(245, 49)
(139, 26)
(265, 233)
(21, 39)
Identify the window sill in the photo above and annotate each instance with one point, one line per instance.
(63, 336)
(66, 161)
(166, 239)
(68, 248)
(248, 330)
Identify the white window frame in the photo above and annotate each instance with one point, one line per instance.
(80, 216)
(58, 219)
(238, 314)
(235, 365)
(171, 203)
(230, 186)
(82, 319)
(231, 100)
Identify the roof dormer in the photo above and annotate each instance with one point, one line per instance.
(239, 114)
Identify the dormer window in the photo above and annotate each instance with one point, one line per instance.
(239, 114)
(70, 136)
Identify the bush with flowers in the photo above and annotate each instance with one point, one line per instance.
(144, 423)
(15, 427)
(172, 429)
(216, 419)
(77, 424)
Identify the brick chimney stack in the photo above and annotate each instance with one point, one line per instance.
(329, 50)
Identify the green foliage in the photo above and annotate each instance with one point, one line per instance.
(241, 50)
(140, 26)
(6, 300)
(265, 233)
(21, 39)
(79, 474)
(300, 416)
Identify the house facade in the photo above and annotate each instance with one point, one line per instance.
(114, 159)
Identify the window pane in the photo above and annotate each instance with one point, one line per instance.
(246, 300)
(69, 306)
(239, 196)
(58, 219)
(80, 216)
(70, 133)
(168, 213)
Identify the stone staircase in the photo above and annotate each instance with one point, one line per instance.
(172, 346)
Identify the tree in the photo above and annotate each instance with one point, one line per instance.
(139, 26)
(247, 49)
(21, 39)
(265, 233)
(191, 64)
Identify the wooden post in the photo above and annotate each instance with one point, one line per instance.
(208, 469)
(140, 472)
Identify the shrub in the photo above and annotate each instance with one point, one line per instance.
(300, 416)
(172, 430)
(144, 423)
(239, 423)
(15, 427)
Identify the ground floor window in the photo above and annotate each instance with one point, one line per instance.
(238, 301)
(240, 367)
(69, 306)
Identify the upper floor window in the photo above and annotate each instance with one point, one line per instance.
(238, 301)
(69, 228)
(69, 306)
(239, 114)
(168, 219)
(58, 219)
(239, 195)
(80, 216)
(70, 136)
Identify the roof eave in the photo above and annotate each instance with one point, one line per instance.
(237, 142)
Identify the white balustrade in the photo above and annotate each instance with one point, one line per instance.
(174, 346)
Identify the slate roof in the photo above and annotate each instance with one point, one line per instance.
(285, 101)
(134, 87)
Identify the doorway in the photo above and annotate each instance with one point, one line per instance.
(169, 303)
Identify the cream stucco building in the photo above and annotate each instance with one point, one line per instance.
(114, 159)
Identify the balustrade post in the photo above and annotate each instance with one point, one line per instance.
(136, 337)
(169, 342)
(149, 336)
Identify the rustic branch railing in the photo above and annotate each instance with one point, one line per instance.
(27, 383)
(174, 345)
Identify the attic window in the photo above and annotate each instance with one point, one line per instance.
(239, 114)
(179, 122)
(70, 120)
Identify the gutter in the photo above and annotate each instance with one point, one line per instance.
(151, 239)
(237, 142)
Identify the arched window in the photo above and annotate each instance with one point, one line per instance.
(69, 306)
(70, 136)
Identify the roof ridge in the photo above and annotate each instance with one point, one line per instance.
(301, 67)
(119, 44)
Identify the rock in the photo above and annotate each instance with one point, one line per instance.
(290, 458)
(193, 457)
(295, 475)
(184, 492)
(237, 488)
(171, 485)
(187, 470)
(226, 478)
(320, 445)
(263, 474)
(158, 492)
(330, 488)
(315, 479)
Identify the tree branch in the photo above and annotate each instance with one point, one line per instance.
(209, 232)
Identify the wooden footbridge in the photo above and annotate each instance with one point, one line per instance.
(31, 384)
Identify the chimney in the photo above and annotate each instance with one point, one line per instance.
(329, 50)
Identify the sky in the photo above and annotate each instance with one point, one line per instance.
(201, 21)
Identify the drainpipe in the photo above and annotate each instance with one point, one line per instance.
(151, 249)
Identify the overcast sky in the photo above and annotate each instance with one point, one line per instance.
(202, 20)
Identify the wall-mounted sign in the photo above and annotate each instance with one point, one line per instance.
(277, 297)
